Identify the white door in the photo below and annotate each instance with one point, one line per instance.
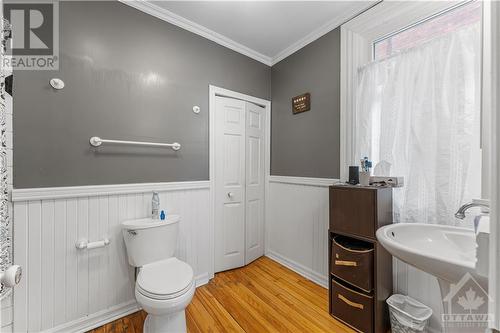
(229, 183)
(239, 182)
(255, 138)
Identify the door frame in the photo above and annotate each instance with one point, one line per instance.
(491, 15)
(213, 92)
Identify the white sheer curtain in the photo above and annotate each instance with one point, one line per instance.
(419, 111)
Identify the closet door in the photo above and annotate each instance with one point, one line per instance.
(229, 183)
(255, 178)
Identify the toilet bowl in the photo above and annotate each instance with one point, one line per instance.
(165, 285)
(164, 289)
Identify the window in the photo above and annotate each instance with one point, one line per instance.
(423, 31)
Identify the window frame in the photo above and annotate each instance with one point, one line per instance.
(417, 23)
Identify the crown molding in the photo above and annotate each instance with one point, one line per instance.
(321, 31)
(168, 16)
(177, 20)
(311, 37)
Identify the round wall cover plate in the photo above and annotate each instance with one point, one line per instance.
(57, 83)
(196, 109)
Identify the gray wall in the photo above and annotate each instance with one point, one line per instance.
(128, 76)
(307, 144)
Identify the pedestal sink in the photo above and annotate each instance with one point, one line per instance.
(447, 252)
(443, 251)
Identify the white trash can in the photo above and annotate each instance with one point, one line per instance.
(408, 315)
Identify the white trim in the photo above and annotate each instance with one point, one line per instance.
(357, 38)
(168, 16)
(324, 182)
(97, 319)
(214, 91)
(98, 190)
(201, 280)
(300, 269)
(492, 16)
(311, 37)
(177, 20)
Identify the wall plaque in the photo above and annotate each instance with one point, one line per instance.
(301, 103)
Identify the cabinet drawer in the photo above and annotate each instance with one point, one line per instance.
(352, 261)
(353, 211)
(352, 307)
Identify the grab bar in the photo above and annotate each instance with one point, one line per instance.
(84, 244)
(97, 141)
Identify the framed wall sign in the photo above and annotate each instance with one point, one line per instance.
(301, 103)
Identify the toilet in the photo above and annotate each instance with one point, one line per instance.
(165, 285)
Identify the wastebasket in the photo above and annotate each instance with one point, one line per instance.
(408, 315)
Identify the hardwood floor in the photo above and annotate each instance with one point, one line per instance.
(261, 297)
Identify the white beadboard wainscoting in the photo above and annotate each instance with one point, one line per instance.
(297, 237)
(64, 289)
(423, 287)
(297, 225)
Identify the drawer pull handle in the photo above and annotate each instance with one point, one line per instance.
(345, 263)
(351, 303)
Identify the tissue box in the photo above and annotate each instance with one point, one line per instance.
(391, 181)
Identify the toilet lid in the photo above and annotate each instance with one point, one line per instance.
(165, 279)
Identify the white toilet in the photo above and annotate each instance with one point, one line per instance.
(165, 284)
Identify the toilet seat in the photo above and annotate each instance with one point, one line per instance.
(165, 279)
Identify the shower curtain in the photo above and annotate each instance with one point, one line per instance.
(418, 116)
(5, 219)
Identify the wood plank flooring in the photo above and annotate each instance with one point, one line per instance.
(261, 297)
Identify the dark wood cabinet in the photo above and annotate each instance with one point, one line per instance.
(360, 269)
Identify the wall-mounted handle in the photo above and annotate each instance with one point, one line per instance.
(230, 195)
(84, 244)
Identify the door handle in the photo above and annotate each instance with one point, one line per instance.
(230, 195)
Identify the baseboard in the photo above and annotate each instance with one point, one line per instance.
(106, 316)
(300, 269)
(97, 319)
(201, 279)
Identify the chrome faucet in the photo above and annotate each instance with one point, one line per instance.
(155, 206)
(460, 214)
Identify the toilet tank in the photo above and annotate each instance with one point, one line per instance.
(149, 240)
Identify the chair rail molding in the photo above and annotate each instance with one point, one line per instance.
(69, 289)
(42, 193)
(311, 181)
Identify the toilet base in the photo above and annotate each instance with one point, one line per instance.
(171, 323)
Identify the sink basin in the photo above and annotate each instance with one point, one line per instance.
(443, 251)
